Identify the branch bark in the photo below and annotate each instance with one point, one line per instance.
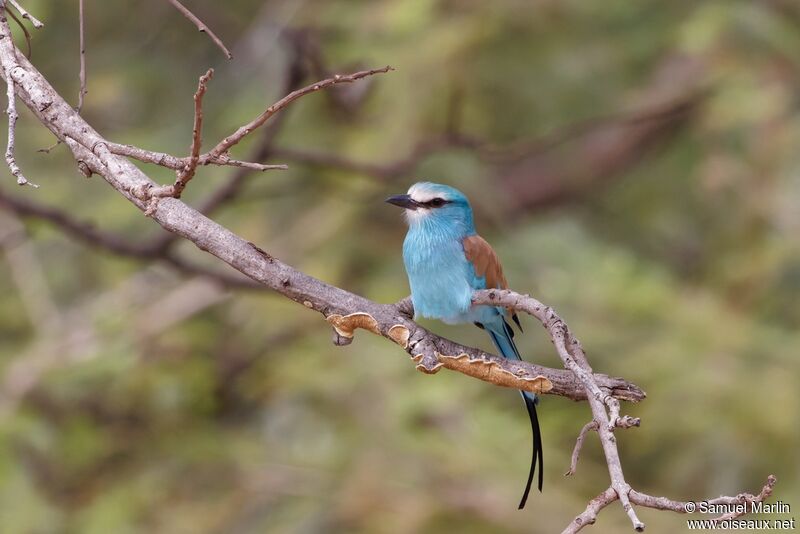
(25, 15)
(82, 43)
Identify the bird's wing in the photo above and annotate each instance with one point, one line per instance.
(484, 261)
(486, 264)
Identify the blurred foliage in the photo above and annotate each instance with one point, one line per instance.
(150, 401)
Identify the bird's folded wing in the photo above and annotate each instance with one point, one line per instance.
(486, 264)
(484, 261)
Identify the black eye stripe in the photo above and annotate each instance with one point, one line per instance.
(435, 203)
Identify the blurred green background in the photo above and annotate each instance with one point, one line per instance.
(635, 165)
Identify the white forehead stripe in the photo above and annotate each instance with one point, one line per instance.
(423, 192)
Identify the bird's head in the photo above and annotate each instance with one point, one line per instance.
(427, 202)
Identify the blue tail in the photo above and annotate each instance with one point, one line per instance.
(503, 339)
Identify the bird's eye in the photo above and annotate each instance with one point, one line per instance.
(437, 202)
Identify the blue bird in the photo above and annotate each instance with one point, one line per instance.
(446, 260)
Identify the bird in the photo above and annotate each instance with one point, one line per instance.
(446, 261)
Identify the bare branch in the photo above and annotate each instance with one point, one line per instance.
(175, 163)
(197, 130)
(219, 154)
(24, 31)
(573, 466)
(88, 234)
(10, 51)
(746, 500)
(225, 145)
(82, 73)
(27, 274)
(25, 15)
(82, 231)
(48, 149)
(604, 422)
(260, 151)
(589, 515)
(259, 167)
(201, 26)
(571, 353)
(186, 174)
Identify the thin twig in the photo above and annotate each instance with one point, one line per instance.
(90, 235)
(225, 145)
(169, 161)
(11, 110)
(260, 167)
(613, 411)
(589, 515)
(746, 499)
(25, 15)
(573, 465)
(82, 72)
(27, 274)
(47, 149)
(219, 154)
(197, 130)
(201, 26)
(24, 31)
(263, 149)
(187, 173)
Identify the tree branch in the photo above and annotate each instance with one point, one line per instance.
(605, 411)
(9, 51)
(25, 15)
(747, 500)
(82, 43)
(88, 234)
(263, 149)
(573, 466)
(219, 154)
(186, 174)
(228, 142)
(571, 353)
(201, 27)
(25, 32)
(175, 163)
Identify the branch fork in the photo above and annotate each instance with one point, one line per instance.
(187, 172)
(220, 154)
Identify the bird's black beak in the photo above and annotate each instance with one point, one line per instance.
(404, 201)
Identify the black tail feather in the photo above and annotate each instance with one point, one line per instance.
(530, 403)
(516, 320)
(537, 451)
